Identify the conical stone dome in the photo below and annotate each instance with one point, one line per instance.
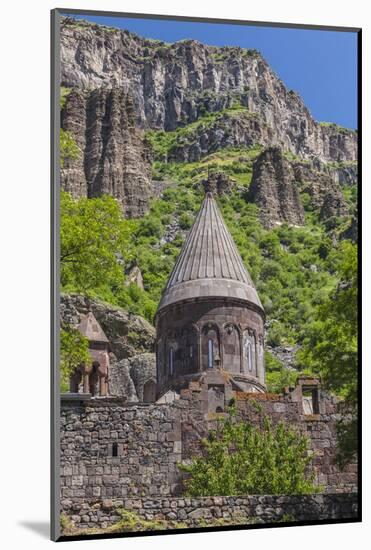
(209, 264)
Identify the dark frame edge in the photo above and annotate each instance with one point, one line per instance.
(132, 15)
(54, 287)
(359, 259)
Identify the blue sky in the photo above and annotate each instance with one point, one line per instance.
(320, 65)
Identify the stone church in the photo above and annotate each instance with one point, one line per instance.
(209, 325)
(210, 317)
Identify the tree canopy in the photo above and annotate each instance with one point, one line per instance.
(241, 459)
(330, 344)
(94, 243)
(330, 347)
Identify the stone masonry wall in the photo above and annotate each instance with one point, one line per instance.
(112, 450)
(201, 512)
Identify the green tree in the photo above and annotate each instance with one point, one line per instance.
(94, 244)
(330, 345)
(241, 459)
(74, 350)
(68, 146)
(277, 376)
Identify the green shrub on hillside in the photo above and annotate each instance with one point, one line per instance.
(277, 377)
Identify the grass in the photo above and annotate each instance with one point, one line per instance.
(83, 24)
(337, 127)
(236, 162)
(164, 143)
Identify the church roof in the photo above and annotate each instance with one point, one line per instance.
(90, 328)
(209, 264)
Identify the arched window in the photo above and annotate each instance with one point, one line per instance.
(231, 347)
(210, 347)
(171, 361)
(249, 356)
(210, 353)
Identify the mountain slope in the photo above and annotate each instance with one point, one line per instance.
(152, 121)
(174, 84)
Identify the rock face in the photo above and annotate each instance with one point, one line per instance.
(277, 185)
(345, 174)
(134, 378)
(218, 183)
(274, 189)
(142, 372)
(134, 276)
(120, 382)
(324, 191)
(229, 129)
(114, 157)
(351, 232)
(174, 84)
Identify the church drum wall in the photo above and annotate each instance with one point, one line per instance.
(225, 322)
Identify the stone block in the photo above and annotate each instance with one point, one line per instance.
(279, 407)
(77, 481)
(107, 504)
(197, 514)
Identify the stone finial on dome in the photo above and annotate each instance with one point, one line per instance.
(208, 183)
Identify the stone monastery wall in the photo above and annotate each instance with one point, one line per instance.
(177, 513)
(112, 450)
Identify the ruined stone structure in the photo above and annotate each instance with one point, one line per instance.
(92, 378)
(210, 316)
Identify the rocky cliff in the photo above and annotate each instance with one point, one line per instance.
(152, 119)
(278, 185)
(174, 84)
(325, 192)
(114, 157)
(274, 189)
